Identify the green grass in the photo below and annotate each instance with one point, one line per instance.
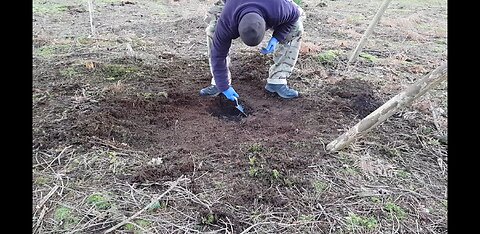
(349, 171)
(209, 219)
(375, 199)
(393, 152)
(328, 57)
(140, 222)
(252, 160)
(157, 206)
(355, 18)
(117, 71)
(85, 40)
(64, 216)
(252, 171)
(355, 221)
(347, 162)
(48, 8)
(275, 174)
(253, 151)
(255, 148)
(99, 201)
(368, 57)
(445, 203)
(130, 227)
(45, 51)
(41, 180)
(69, 72)
(346, 159)
(49, 51)
(403, 174)
(319, 186)
(395, 210)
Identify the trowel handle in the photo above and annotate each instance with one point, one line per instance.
(236, 101)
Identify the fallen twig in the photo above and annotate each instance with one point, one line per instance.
(277, 223)
(58, 157)
(44, 199)
(172, 186)
(39, 220)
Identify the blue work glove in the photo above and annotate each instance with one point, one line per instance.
(230, 94)
(270, 47)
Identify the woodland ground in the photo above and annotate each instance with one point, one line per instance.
(117, 118)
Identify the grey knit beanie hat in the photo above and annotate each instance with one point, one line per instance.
(251, 29)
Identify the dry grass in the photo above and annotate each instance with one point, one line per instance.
(392, 180)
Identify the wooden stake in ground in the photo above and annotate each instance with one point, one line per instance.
(92, 27)
(369, 31)
(401, 100)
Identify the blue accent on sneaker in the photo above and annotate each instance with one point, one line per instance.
(210, 91)
(282, 90)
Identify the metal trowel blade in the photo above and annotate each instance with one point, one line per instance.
(239, 107)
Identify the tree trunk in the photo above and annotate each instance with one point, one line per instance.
(369, 31)
(401, 100)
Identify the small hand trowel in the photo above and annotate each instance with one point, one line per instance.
(239, 107)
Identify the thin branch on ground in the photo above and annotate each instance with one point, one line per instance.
(59, 155)
(40, 219)
(45, 199)
(172, 186)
